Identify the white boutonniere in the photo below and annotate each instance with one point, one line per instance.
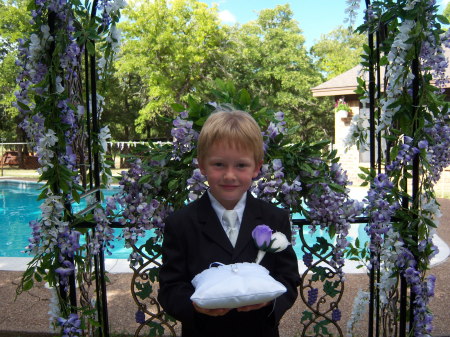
(267, 241)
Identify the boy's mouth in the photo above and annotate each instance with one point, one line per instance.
(229, 187)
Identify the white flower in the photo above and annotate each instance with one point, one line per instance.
(35, 46)
(261, 235)
(279, 242)
(59, 86)
(360, 305)
(54, 309)
(104, 136)
(45, 29)
(102, 63)
(80, 111)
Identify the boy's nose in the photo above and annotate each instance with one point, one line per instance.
(229, 174)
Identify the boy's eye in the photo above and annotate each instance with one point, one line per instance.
(242, 165)
(218, 164)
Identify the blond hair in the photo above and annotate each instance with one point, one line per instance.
(237, 128)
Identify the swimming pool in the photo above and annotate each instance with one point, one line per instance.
(18, 206)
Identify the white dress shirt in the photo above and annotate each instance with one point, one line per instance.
(219, 209)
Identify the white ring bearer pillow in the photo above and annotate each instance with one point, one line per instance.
(235, 285)
(241, 284)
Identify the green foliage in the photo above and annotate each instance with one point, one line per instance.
(338, 51)
(446, 12)
(172, 48)
(321, 328)
(144, 290)
(123, 100)
(268, 57)
(330, 288)
(13, 25)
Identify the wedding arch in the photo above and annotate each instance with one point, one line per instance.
(72, 43)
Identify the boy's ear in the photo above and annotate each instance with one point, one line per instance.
(201, 167)
(257, 168)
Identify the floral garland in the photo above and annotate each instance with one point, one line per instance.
(53, 115)
(401, 237)
(270, 184)
(167, 177)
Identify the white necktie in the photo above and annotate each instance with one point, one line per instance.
(229, 219)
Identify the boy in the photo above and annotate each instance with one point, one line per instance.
(230, 155)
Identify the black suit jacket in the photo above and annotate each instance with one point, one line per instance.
(194, 238)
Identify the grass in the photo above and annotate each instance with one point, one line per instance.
(11, 172)
(16, 173)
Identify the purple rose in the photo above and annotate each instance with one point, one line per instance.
(262, 235)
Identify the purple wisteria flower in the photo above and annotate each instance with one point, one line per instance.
(269, 181)
(380, 211)
(438, 155)
(71, 326)
(274, 129)
(329, 207)
(184, 136)
(66, 269)
(196, 184)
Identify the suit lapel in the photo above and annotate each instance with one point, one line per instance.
(251, 218)
(211, 225)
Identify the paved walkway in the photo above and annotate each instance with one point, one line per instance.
(28, 314)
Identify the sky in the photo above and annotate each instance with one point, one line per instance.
(315, 17)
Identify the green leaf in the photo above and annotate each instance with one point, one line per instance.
(244, 97)
(144, 290)
(27, 285)
(75, 196)
(23, 106)
(320, 273)
(43, 194)
(330, 288)
(37, 277)
(430, 222)
(94, 322)
(321, 329)
(442, 19)
(178, 107)
(324, 244)
(172, 185)
(332, 230)
(153, 274)
(145, 179)
(307, 316)
(90, 47)
(156, 329)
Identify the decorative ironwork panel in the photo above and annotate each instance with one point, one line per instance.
(321, 289)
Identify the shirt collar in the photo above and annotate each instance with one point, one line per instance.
(219, 209)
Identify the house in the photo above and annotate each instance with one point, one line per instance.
(343, 87)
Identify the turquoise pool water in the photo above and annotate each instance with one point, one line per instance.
(18, 206)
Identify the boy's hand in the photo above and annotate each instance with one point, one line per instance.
(252, 307)
(211, 312)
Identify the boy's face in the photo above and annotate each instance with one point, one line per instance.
(229, 171)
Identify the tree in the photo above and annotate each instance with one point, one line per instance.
(338, 51)
(174, 47)
(14, 22)
(122, 104)
(269, 59)
(446, 11)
